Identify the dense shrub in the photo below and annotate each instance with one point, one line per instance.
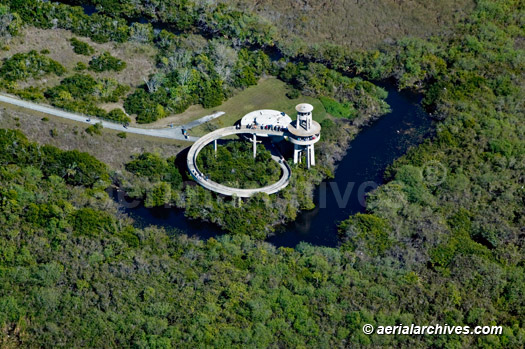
(80, 66)
(81, 48)
(147, 107)
(90, 222)
(81, 92)
(117, 115)
(155, 168)
(345, 97)
(293, 93)
(366, 232)
(98, 27)
(141, 32)
(75, 167)
(109, 90)
(10, 23)
(190, 77)
(34, 94)
(95, 129)
(105, 62)
(234, 165)
(76, 86)
(426, 252)
(22, 66)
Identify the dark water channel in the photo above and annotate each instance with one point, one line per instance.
(360, 171)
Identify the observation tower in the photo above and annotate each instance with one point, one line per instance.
(304, 132)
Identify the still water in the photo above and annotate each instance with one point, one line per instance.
(360, 171)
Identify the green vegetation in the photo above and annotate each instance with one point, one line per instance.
(30, 93)
(226, 55)
(337, 109)
(23, 66)
(80, 67)
(366, 232)
(81, 48)
(10, 23)
(452, 212)
(95, 129)
(99, 28)
(268, 93)
(347, 97)
(81, 93)
(189, 77)
(157, 180)
(429, 250)
(74, 167)
(118, 115)
(234, 165)
(106, 61)
(57, 274)
(256, 216)
(154, 168)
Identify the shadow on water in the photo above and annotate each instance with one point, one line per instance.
(171, 219)
(369, 154)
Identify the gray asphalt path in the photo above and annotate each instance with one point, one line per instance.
(176, 133)
(202, 120)
(171, 133)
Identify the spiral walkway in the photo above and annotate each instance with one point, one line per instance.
(222, 189)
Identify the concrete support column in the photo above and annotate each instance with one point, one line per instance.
(215, 146)
(254, 145)
(313, 154)
(308, 156)
(296, 152)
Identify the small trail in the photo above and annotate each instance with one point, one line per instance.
(171, 133)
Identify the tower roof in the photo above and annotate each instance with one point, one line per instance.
(304, 108)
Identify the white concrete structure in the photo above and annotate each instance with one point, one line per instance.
(304, 132)
(207, 183)
(263, 123)
(266, 119)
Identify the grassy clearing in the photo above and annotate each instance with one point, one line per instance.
(359, 24)
(140, 58)
(269, 93)
(69, 135)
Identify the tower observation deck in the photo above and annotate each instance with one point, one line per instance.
(303, 133)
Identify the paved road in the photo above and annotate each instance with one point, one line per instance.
(176, 133)
(222, 189)
(171, 133)
(202, 120)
